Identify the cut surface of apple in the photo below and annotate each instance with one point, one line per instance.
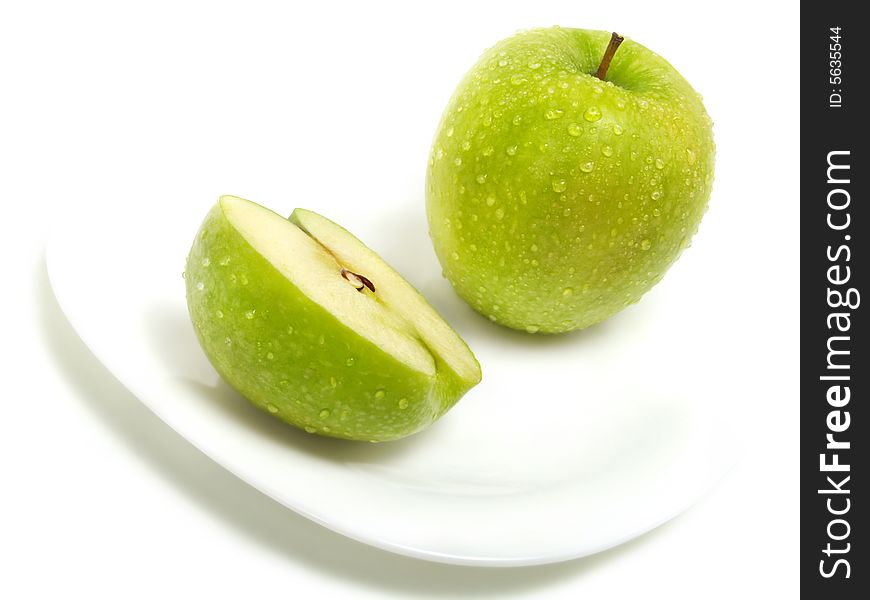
(312, 326)
(393, 295)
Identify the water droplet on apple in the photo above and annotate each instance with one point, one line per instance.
(566, 212)
(567, 292)
(617, 129)
(592, 114)
(656, 212)
(588, 166)
(379, 395)
(490, 200)
(574, 129)
(200, 286)
(533, 247)
(244, 280)
(607, 150)
(535, 65)
(225, 261)
(457, 161)
(206, 262)
(270, 356)
(517, 119)
(323, 414)
(503, 62)
(690, 156)
(403, 403)
(553, 113)
(660, 164)
(310, 429)
(656, 195)
(517, 79)
(349, 362)
(487, 151)
(321, 340)
(532, 328)
(249, 314)
(559, 185)
(290, 330)
(333, 382)
(344, 414)
(481, 178)
(620, 104)
(466, 145)
(499, 213)
(454, 255)
(228, 341)
(511, 150)
(645, 244)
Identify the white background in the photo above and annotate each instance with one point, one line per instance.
(108, 104)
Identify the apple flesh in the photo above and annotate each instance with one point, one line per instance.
(555, 199)
(313, 327)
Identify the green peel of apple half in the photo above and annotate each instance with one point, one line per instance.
(313, 327)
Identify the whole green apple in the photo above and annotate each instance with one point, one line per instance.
(312, 326)
(567, 174)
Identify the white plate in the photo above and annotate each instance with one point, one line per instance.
(569, 446)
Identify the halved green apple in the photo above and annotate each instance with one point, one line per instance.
(312, 326)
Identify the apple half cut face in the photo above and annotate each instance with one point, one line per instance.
(312, 326)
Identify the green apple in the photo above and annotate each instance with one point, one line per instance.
(560, 189)
(312, 326)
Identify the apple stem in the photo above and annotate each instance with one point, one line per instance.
(615, 41)
(362, 279)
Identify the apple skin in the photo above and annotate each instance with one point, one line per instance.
(292, 358)
(556, 199)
